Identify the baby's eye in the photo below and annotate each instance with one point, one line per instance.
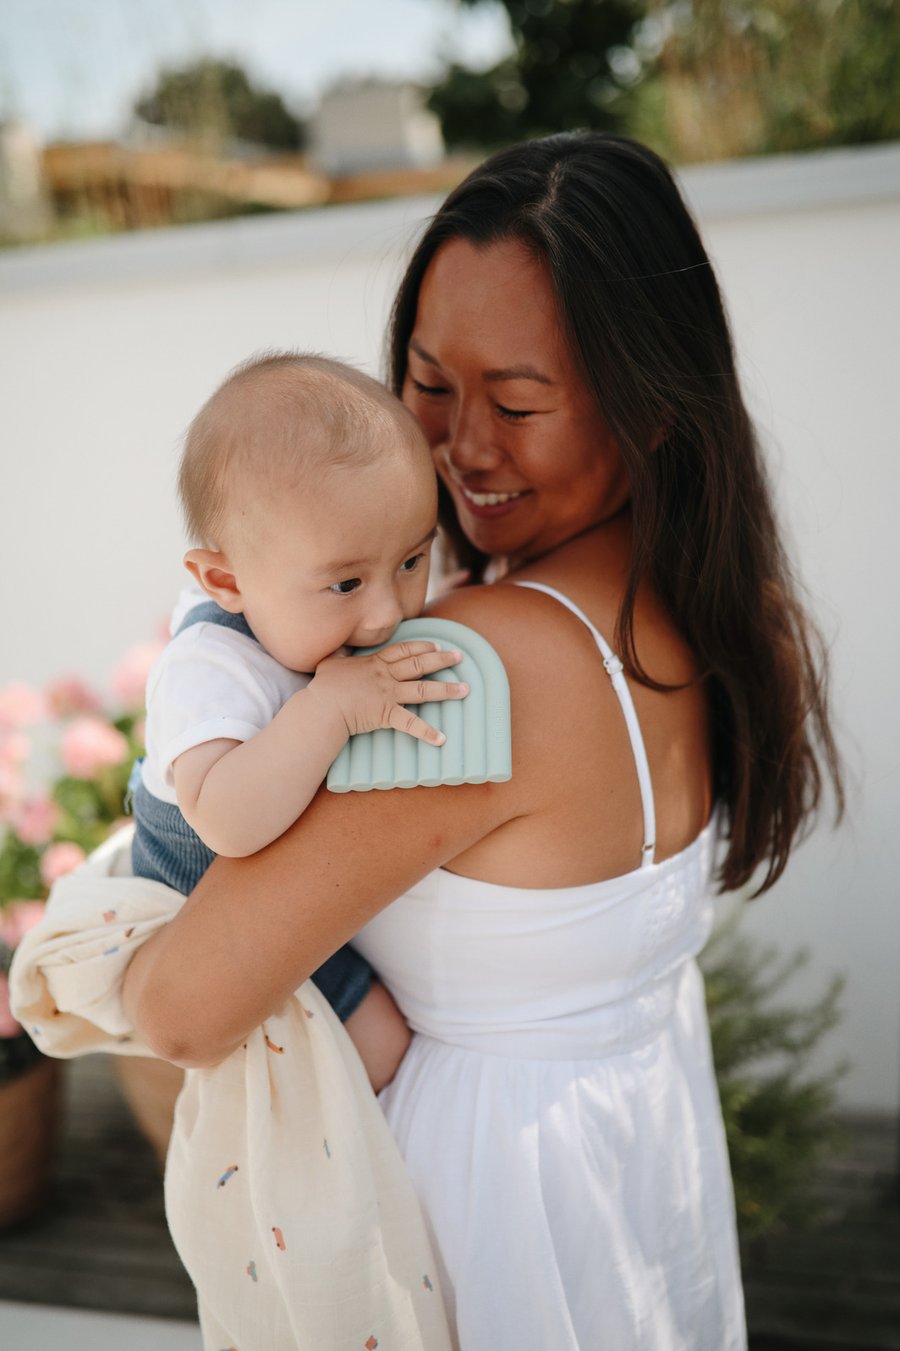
(347, 587)
(412, 564)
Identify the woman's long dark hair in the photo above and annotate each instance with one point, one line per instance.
(641, 309)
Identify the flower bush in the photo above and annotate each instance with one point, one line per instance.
(65, 757)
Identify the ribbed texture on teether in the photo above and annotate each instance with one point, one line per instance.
(477, 728)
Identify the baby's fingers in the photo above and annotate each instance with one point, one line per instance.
(399, 651)
(423, 663)
(405, 721)
(429, 691)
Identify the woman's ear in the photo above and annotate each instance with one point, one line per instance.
(215, 574)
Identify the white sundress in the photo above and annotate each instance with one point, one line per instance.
(557, 1109)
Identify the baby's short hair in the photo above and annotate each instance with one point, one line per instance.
(272, 419)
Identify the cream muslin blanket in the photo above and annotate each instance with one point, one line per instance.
(286, 1195)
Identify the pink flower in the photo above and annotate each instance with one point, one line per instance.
(8, 1025)
(16, 919)
(89, 745)
(15, 748)
(129, 679)
(60, 859)
(12, 792)
(36, 820)
(20, 705)
(70, 694)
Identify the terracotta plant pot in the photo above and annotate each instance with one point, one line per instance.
(29, 1130)
(150, 1088)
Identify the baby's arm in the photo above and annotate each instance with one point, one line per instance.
(240, 795)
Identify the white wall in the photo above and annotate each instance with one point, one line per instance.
(107, 349)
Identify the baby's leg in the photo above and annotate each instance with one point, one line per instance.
(380, 1034)
(374, 1023)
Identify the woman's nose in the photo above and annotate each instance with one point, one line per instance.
(469, 445)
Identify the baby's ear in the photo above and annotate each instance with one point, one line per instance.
(214, 573)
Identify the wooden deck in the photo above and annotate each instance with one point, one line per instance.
(838, 1288)
(102, 1243)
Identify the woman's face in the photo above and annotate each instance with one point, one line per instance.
(516, 437)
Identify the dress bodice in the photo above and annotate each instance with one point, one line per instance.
(570, 972)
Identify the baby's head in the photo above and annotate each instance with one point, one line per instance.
(310, 493)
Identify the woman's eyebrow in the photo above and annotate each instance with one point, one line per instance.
(426, 356)
(518, 373)
(522, 372)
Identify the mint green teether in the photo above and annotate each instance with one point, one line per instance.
(477, 749)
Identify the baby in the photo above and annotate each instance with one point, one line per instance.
(311, 493)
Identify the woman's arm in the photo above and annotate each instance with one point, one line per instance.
(255, 929)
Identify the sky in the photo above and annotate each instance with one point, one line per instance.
(73, 68)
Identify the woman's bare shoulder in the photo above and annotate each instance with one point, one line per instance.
(517, 622)
(551, 663)
(471, 604)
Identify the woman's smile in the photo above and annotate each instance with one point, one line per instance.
(490, 505)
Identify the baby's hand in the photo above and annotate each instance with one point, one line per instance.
(371, 692)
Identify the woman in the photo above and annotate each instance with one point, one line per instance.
(560, 336)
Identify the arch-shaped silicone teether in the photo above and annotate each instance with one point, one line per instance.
(477, 728)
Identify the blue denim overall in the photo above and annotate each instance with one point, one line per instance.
(166, 849)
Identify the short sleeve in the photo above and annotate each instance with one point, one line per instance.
(209, 683)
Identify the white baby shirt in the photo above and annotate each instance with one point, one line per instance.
(209, 682)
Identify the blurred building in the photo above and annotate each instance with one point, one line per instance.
(369, 125)
(25, 211)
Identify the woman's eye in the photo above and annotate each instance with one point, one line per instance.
(514, 414)
(345, 588)
(412, 564)
(430, 390)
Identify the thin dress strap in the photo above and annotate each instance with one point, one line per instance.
(615, 672)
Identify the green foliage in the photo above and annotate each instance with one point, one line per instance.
(479, 108)
(569, 69)
(863, 73)
(90, 807)
(778, 1120)
(698, 79)
(216, 101)
(20, 870)
(742, 77)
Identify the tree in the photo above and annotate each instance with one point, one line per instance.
(571, 68)
(780, 1120)
(697, 79)
(743, 77)
(216, 101)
